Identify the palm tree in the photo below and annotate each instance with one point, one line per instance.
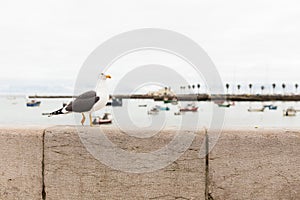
(198, 86)
(262, 89)
(189, 87)
(227, 87)
(238, 87)
(296, 87)
(166, 89)
(250, 87)
(283, 87)
(273, 86)
(181, 89)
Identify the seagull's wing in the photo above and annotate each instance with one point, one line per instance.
(83, 103)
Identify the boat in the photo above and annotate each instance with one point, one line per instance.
(143, 105)
(271, 107)
(106, 119)
(173, 101)
(256, 109)
(225, 105)
(116, 102)
(163, 108)
(290, 112)
(189, 108)
(33, 103)
(153, 111)
(178, 113)
(167, 101)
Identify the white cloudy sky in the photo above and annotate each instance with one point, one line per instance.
(44, 43)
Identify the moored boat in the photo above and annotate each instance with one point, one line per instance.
(153, 111)
(163, 108)
(256, 109)
(106, 119)
(223, 104)
(290, 112)
(189, 108)
(142, 105)
(33, 103)
(271, 107)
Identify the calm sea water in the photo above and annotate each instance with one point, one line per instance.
(15, 112)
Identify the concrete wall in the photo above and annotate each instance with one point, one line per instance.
(257, 164)
(245, 164)
(21, 163)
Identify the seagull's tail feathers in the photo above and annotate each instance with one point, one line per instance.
(57, 112)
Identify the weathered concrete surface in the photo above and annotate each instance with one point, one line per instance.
(245, 164)
(257, 164)
(71, 172)
(20, 163)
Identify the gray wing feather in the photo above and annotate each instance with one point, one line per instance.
(87, 95)
(83, 102)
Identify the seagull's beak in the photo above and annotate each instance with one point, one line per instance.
(108, 76)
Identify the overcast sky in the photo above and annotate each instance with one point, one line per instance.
(44, 43)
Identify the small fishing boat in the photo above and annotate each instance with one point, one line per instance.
(271, 107)
(106, 119)
(290, 112)
(173, 101)
(143, 105)
(153, 111)
(225, 104)
(189, 108)
(33, 103)
(256, 109)
(116, 102)
(163, 108)
(177, 113)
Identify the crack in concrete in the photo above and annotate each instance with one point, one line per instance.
(208, 195)
(43, 167)
(175, 197)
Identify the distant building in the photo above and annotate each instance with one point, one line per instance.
(162, 92)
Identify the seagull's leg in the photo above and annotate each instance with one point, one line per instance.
(83, 119)
(91, 122)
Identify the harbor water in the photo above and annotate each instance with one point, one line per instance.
(15, 112)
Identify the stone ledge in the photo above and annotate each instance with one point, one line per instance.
(20, 163)
(71, 172)
(256, 164)
(244, 164)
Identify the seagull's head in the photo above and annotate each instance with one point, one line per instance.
(104, 76)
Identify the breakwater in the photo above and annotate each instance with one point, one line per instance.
(194, 97)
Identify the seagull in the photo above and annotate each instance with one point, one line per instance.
(88, 102)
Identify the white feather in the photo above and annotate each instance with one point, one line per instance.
(101, 92)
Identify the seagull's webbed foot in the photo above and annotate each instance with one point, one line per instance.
(91, 121)
(83, 119)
